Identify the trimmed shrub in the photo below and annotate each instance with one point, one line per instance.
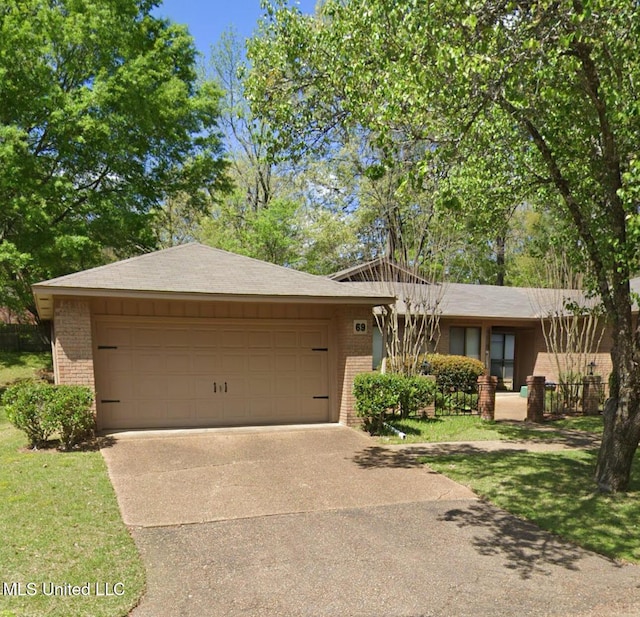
(40, 410)
(27, 405)
(70, 408)
(457, 372)
(379, 396)
(416, 393)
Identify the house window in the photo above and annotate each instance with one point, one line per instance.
(464, 342)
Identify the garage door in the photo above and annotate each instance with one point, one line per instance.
(153, 374)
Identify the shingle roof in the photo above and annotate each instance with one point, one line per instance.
(490, 301)
(201, 270)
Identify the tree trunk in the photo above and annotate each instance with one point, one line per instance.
(500, 259)
(619, 445)
(622, 411)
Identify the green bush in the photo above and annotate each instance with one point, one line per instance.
(379, 396)
(70, 407)
(40, 410)
(457, 372)
(27, 405)
(415, 394)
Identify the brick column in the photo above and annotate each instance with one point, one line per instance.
(592, 385)
(354, 356)
(487, 396)
(73, 347)
(535, 398)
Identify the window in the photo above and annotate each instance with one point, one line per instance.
(464, 342)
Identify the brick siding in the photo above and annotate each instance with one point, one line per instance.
(354, 356)
(72, 345)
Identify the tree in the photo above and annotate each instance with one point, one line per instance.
(101, 120)
(551, 85)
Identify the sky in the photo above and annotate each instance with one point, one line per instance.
(207, 19)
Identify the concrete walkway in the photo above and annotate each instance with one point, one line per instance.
(326, 522)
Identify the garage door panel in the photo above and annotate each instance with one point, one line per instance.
(147, 337)
(257, 339)
(176, 337)
(174, 374)
(233, 339)
(150, 387)
(177, 364)
(286, 339)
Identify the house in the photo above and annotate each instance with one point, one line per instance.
(193, 336)
(501, 326)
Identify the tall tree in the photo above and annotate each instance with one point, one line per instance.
(101, 119)
(552, 84)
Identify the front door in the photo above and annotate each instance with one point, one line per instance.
(503, 347)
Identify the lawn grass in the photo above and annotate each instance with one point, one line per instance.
(472, 428)
(61, 525)
(556, 492)
(16, 365)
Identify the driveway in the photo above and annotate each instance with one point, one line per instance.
(323, 521)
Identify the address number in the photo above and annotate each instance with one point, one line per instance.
(360, 326)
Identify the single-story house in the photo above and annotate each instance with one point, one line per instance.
(193, 336)
(501, 326)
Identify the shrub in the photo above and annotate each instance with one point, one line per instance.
(70, 407)
(27, 405)
(457, 372)
(379, 395)
(416, 393)
(376, 394)
(40, 409)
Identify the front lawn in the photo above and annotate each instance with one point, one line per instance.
(472, 428)
(16, 365)
(61, 527)
(556, 492)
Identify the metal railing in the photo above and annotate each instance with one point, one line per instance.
(451, 401)
(571, 398)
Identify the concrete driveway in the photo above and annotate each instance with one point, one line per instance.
(323, 521)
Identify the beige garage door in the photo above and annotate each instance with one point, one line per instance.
(153, 374)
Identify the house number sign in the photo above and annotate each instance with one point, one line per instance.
(360, 326)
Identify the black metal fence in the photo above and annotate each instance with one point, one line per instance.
(452, 401)
(573, 398)
(24, 337)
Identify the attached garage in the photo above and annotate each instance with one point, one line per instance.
(197, 337)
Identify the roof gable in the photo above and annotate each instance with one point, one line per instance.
(199, 270)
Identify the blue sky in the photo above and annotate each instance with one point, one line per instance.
(207, 19)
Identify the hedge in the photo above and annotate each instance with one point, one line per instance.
(457, 372)
(380, 395)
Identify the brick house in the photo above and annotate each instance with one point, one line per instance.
(501, 326)
(194, 336)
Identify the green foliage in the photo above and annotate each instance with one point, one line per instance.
(40, 410)
(102, 119)
(380, 395)
(458, 372)
(70, 410)
(416, 393)
(27, 405)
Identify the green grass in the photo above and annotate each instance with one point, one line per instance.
(472, 428)
(61, 525)
(556, 492)
(16, 365)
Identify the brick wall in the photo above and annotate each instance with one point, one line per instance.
(72, 345)
(354, 356)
